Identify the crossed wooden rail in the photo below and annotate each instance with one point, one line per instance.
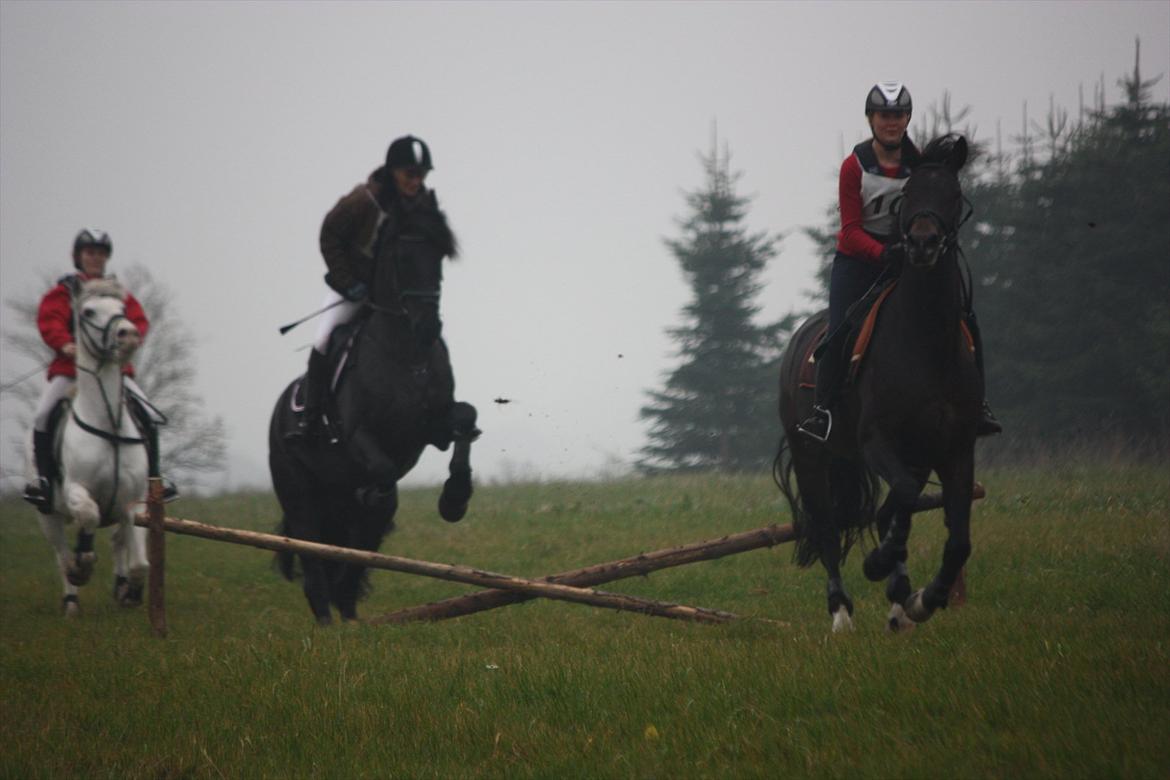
(502, 589)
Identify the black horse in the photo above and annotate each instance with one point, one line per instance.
(393, 395)
(912, 409)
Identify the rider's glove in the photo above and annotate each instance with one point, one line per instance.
(893, 254)
(357, 292)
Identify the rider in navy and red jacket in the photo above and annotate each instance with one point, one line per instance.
(91, 251)
(869, 192)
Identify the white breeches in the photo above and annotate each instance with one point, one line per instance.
(338, 315)
(60, 387)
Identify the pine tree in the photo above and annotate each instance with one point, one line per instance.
(717, 409)
(1079, 313)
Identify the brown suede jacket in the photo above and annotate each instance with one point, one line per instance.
(349, 235)
(350, 232)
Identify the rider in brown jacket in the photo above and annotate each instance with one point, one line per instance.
(350, 236)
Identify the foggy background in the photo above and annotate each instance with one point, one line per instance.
(210, 139)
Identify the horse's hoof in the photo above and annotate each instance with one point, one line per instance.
(897, 622)
(841, 621)
(455, 496)
(128, 593)
(80, 569)
(70, 608)
(916, 608)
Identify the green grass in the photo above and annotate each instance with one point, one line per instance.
(1059, 666)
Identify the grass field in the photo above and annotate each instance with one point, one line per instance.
(1059, 666)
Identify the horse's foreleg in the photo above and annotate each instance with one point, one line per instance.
(130, 563)
(458, 488)
(87, 514)
(894, 530)
(316, 588)
(365, 529)
(366, 450)
(957, 486)
(54, 531)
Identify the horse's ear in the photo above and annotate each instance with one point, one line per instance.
(958, 155)
(949, 150)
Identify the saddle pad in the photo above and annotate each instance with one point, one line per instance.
(866, 333)
(808, 366)
(808, 371)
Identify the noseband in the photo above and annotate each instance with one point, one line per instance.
(950, 235)
(401, 294)
(100, 340)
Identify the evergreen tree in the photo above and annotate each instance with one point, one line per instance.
(1077, 308)
(718, 408)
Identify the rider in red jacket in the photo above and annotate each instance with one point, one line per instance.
(868, 248)
(91, 251)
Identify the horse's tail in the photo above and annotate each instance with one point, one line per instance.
(285, 561)
(852, 490)
(805, 552)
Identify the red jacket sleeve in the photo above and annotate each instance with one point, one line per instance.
(853, 240)
(135, 314)
(54, 318)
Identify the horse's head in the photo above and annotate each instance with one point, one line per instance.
(408, 282)
(103, 332)
(932, 202)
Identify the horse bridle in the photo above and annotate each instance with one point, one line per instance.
(950, 237)
(402, 295)
(101, 344)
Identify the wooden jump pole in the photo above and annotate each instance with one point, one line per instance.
(156, 554)
(453, 573)
(600, 573)
(641, 564)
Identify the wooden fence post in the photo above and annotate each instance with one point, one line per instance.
(156, 553)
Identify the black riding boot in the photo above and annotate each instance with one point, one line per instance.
(39, 492)
(149, 428)
(988, 425)
(819, 424)
(309, 425)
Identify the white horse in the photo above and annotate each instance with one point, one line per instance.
(102, 455)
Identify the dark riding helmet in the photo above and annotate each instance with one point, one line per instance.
(888, 96)
(91, 237)
(408, 152)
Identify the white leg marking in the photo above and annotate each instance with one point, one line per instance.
(841, 620)
(82, 507)
(897, 621)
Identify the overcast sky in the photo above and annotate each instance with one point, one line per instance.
(210, 139)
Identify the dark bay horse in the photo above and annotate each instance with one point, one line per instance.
(393, 395)
(911, 410)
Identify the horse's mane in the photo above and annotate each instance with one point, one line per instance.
(430, 219)
(949, 150)
(107, 287)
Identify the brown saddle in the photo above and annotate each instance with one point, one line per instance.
(860, 340)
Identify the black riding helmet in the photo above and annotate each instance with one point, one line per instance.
(407, 152)
(888, 96)
(90, 237)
